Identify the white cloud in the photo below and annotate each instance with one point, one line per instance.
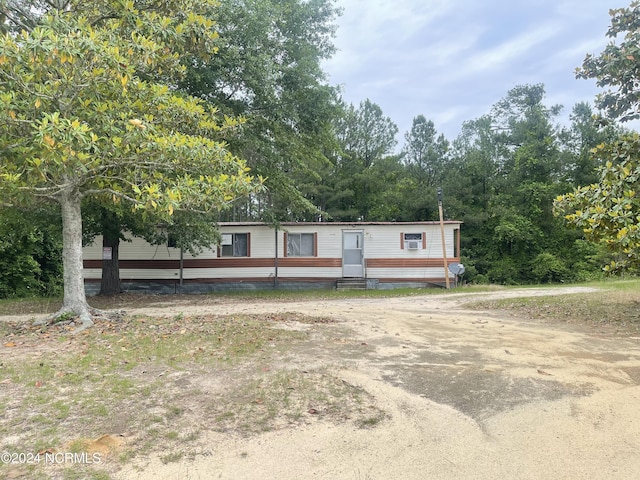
(514, 50)
(452, 59)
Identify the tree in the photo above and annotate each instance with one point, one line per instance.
(426, 156)
(617, 67)
(474, 169)
(79, 120)
(425, 151)
(107, 219)
(579, 140)
(29, 253)
(190, 231)
(268, 70)
(506, 169)
(524, 124)
(365, 137)
(366, 134)
(608, 210)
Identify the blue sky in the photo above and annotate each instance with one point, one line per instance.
(451, 60)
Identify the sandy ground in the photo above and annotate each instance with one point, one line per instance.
(469, 395)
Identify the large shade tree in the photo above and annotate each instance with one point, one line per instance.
(608, 210)
(117, 222)
(80, 117)
(268, 70)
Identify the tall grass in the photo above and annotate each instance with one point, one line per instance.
(615, 304)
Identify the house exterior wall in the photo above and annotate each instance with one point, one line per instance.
(386, 258)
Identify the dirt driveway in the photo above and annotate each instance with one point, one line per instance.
(468, 395)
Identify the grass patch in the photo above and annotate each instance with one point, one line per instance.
(615, 305)
(292, 397)
(159, 382)
(42, 306)
(30, 306)
(172, 457)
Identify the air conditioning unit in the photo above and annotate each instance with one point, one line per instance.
(413, 245)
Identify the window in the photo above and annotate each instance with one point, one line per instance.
(234, 245)
(412, 241)
(301, 244)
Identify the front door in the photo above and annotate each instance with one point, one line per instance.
(352, 253)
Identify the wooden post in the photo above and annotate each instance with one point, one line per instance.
(181, 268)
(444, 246)
(275, 262)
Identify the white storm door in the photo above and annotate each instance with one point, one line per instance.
(352, 253)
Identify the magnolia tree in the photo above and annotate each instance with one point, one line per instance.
(79, 119)
(609, 211)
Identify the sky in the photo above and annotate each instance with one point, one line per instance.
(452, 60)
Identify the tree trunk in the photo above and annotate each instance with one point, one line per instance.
(75, 299)
(110, 284)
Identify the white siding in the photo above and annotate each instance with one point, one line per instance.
(136, 249)
(236, 272)
(149, 274)
(380, 242)
(383, 241)
(316, 272)
(407, 273)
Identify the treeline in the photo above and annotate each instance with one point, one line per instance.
(325, 160)
(499, 176)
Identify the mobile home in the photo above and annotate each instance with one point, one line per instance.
(254, 255)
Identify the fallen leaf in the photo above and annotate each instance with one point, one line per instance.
(11, 344)
(312, 411)
(542, 372)
(508, 352)
(38, 383)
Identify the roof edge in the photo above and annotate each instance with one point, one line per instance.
(323, 224)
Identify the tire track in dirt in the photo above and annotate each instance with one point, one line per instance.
(468, 395)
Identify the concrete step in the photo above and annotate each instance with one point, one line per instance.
(351, 284)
